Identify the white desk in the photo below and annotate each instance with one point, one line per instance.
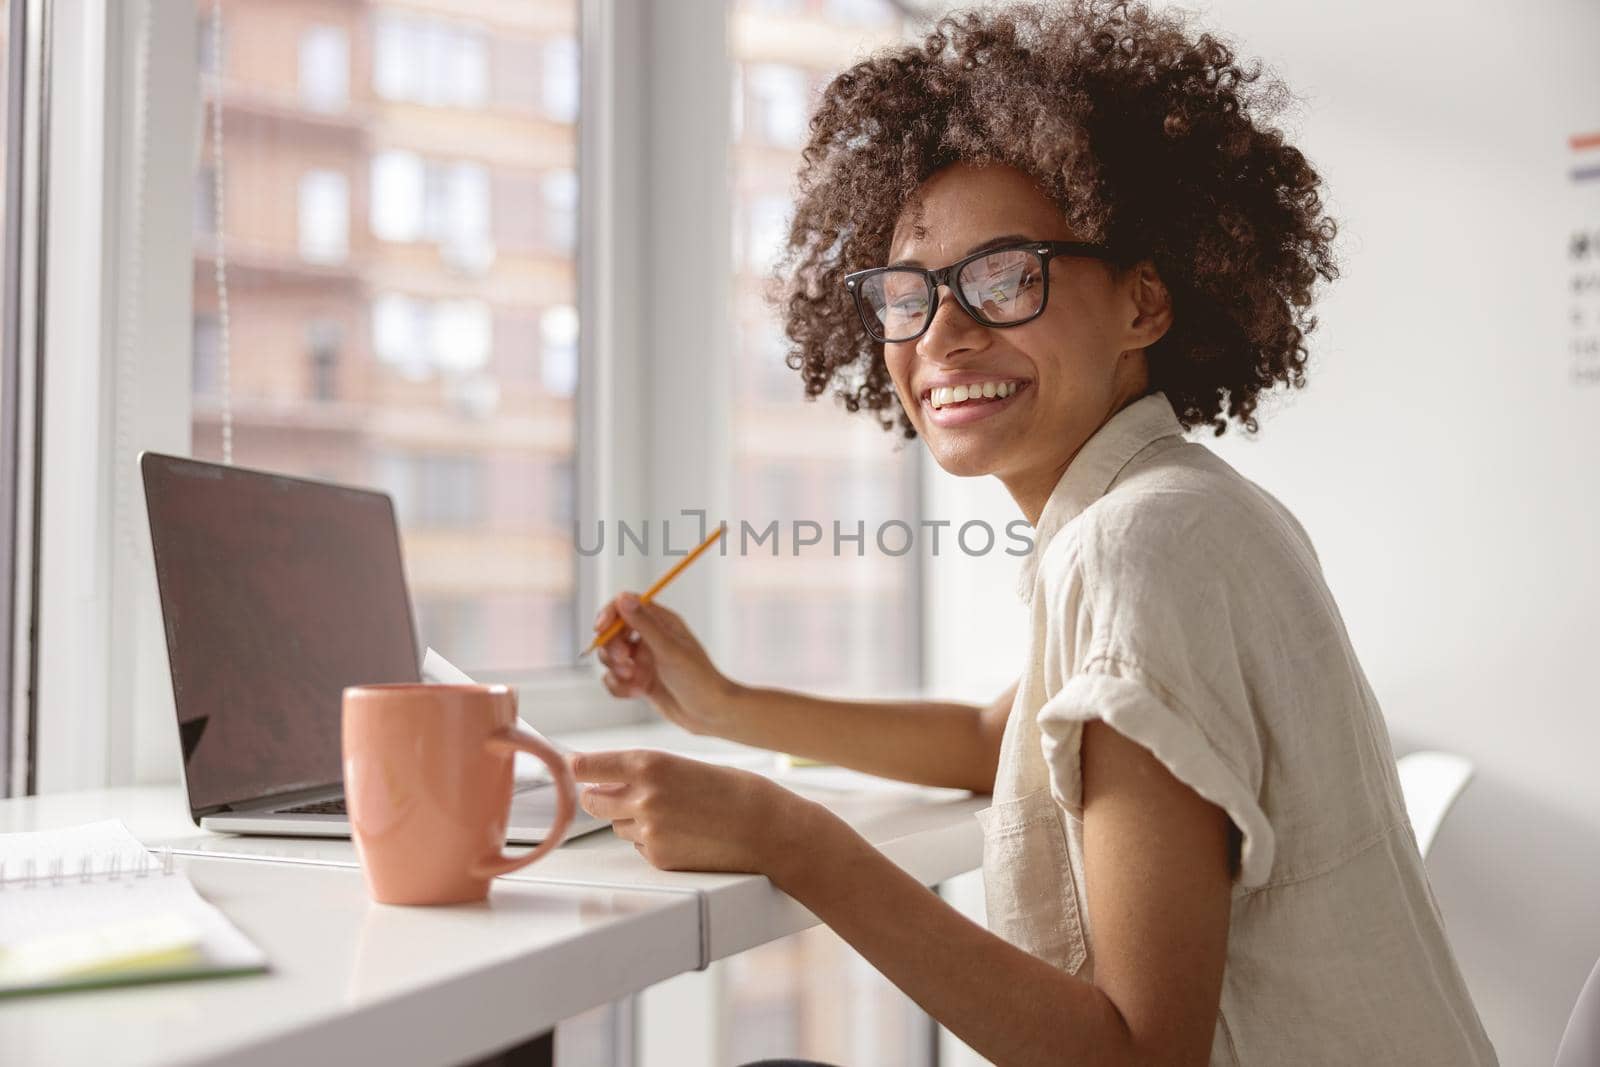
(354, 982)
(361, 982)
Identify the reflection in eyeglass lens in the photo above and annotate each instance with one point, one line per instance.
(900, 299)
(1005, 286)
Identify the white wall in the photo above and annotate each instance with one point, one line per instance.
(1440, 458)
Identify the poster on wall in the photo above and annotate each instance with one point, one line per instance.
(1583, 254)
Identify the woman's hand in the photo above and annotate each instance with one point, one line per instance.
(685, 815)
(656, 656)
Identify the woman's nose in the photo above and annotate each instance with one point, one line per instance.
(952, 330)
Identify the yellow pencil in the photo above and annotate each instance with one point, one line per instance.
(644, 598)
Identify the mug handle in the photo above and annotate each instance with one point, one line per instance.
(514, 739)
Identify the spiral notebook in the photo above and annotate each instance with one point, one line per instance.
(90, 906)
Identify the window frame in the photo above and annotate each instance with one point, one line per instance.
(20, 365)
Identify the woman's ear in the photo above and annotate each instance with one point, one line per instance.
(1152, 304)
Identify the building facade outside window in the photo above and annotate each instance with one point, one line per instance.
(364, 148)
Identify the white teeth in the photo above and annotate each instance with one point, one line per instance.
(944, 395)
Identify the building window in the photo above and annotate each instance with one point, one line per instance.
(419, 338)
(559, 191)
(560, 79)
(423, 59)
(325, 68)
(322, 341)
(447, 203)
(456, 214)
(558, 350)
(324, 217)
(462, 334)
(397, 184)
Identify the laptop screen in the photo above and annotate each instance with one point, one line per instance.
(276, 593)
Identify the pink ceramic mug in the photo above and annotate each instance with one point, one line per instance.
(427, 780)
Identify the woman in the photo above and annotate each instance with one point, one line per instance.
(1047, 242)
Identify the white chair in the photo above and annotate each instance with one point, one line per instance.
(1580, 1045)
(1431, 782)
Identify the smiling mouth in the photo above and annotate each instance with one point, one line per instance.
(972, 394)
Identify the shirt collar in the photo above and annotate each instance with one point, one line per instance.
(1091, 472)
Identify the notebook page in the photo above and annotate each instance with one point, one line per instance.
(104, 844)
(86, 915)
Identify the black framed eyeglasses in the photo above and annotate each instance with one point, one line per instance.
(998, 287)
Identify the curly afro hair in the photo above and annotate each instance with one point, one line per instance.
(1149, 140)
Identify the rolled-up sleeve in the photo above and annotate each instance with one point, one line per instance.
(1164, 667)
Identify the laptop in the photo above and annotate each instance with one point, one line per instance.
(277, 593)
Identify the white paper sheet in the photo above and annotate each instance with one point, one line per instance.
(528, 769)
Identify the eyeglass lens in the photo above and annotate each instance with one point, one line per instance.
(1004, 287)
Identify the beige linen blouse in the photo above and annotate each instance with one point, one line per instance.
(1182, 604)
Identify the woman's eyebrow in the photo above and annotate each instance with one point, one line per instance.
(993, 242)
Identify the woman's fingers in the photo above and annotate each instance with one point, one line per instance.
(682, 814)
(649, 619)
(618, 656)
(609, 801)
(643, 664)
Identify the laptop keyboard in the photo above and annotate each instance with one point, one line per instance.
(336, 806)
(320, 807)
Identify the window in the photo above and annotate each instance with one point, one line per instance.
(559, 86)
(443, 202)
(560, 192)
(397, 183)
(421, 338)
(558, 341)
(429, 59)
(324, 68)
(364, 341)
(322, 341)
(324, 217)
